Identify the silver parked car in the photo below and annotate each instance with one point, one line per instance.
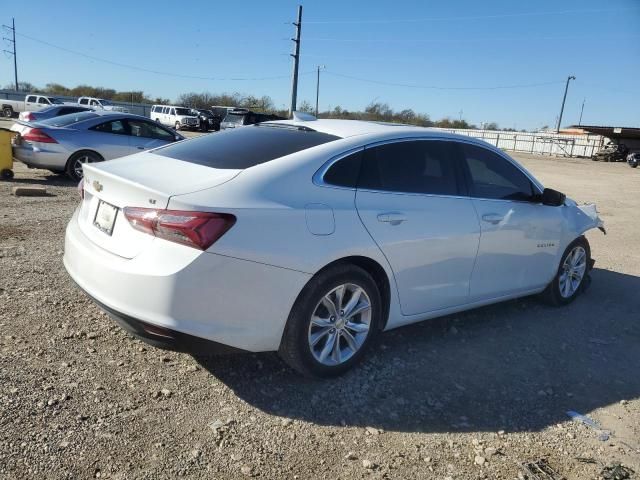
(63, 144)
(53, 111)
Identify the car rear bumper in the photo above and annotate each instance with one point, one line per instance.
(165, 338)
(233, 302)
(40, 158)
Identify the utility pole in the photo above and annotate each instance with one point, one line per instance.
(566, 88)
(318, 88)
(296, 61)
(15, 57)
(581, 111)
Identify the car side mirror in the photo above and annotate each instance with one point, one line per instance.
(552, 197)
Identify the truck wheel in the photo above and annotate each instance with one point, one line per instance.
(7, 112)
(6, 174)
(177, 126)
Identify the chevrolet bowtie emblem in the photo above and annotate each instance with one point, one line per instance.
(97, 186)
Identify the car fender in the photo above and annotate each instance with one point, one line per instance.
(578, 220)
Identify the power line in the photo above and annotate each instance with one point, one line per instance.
(155, 72)
(469, 40)
(473, 17)
(436, 87)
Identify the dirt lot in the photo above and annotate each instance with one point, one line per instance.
(469, 396)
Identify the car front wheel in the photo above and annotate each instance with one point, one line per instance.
(334, 320)
(571, 275)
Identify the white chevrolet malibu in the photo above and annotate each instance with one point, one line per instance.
(309, 237)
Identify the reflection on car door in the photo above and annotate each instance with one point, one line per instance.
(145, 135)
(519, 236)
(110, 139)
(410, 200)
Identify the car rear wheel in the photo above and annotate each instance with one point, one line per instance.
(177, 126)
(333, 322)
(77, 160)
(7, 112)
(572, 274)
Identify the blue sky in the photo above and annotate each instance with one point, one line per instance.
(463, 47)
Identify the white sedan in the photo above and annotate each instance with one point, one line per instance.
(309, 237)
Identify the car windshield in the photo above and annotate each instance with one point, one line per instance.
(70, 119)
(234, 118)
(183, 111)
(55, 101)
(240, 148)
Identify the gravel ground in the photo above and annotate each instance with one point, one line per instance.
(468, 396)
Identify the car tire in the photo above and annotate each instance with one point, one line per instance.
(73, 168)
(177, 126)
(566, 286)
(321, 338)
(6, 174)
(7, 112)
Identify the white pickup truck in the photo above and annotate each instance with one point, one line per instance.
(31, 103)
(101, 104)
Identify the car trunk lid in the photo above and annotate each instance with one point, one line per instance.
(141, 180)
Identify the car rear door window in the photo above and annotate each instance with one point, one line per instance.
(242, 148)
(417, 166)
(494, 177)
(31, 98)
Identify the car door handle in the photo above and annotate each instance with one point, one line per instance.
(494, 218)
(140, 148)
(393, 218)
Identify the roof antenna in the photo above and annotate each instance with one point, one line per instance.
(303, 117)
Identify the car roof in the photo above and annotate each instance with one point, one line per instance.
(111, 113)
(351, 128)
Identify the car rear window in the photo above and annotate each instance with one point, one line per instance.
(246, 147)
(65, 120)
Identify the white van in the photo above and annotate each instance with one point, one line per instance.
(101, 104)
(173, 116)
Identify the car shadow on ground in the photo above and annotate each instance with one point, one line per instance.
(53, 180)
(514, 366)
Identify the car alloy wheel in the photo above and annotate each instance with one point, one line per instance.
(339, 324)
(77, 164)
(573, 271)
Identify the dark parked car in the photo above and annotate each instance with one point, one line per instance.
(612, 152)
(208, 120)
(241, 116)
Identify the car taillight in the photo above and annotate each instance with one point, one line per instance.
(37, 135)
(29, 117)
(194, 229)
(81, 188)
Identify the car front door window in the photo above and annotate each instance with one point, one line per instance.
(492, 176)
(117, 127)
